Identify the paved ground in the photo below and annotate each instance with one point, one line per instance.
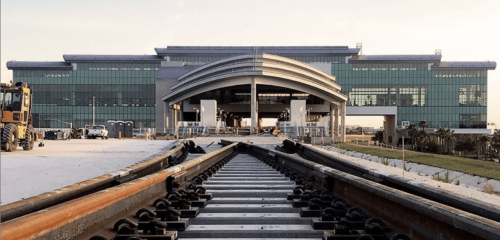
(61, 163)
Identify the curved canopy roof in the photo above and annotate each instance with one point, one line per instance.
(266, 69)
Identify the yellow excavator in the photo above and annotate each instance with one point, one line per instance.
(17, 122)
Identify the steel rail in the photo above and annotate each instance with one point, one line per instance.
(45, 200)
(438, 195)
(71, 218)
(417, 216)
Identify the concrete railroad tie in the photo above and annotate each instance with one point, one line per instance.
(249, 202)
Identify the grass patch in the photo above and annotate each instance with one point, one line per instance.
(444, 179)
(469, 166)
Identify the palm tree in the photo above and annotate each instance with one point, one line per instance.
(441, 133)
(423, 124)
(447, 136)
(422, 139)
(465, 143)
(412, 130)
(483, 140)
(379, 137)
(495, 142)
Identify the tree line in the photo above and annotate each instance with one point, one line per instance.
(441, 141)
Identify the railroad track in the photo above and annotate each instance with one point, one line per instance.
(243, 191)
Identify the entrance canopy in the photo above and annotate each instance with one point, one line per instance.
(265, 69)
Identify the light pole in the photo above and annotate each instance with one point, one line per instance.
(70, 123)
(309, 114)
(93, 110)
(288, 112)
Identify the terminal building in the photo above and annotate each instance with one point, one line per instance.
(294, 84)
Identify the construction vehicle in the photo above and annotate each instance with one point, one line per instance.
(17, 122)
(77, 133)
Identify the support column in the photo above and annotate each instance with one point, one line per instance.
(390, 130)
(337, 123)
(342, 127)
(332, 121)
(254, 110)
(165, 117)
(171, 124)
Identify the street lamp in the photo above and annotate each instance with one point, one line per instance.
(70, 124)
(309, 114)
(93, 110)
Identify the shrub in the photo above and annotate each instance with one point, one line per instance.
(489, 188)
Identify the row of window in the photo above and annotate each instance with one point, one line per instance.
(436, 111)
(389, 66)
(461, 73)
(453, 124)
(142, 88)
(147, 112)
(473, 95)
(80, 123)
(394, 96)
(477, 120)
(416, 95)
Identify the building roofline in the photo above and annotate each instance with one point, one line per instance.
(31, 65)
(108, 58)
(247, 50)
(396, 58)
(465, 65)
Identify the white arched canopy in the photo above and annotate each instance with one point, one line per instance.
(264, 69)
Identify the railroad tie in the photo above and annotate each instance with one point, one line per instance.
(250, 202)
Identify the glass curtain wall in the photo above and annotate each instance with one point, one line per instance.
(445, 98)
(122, 91)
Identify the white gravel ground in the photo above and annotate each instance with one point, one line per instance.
(461, 190)
(62, 163)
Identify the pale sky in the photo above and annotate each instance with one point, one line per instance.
(45, 30)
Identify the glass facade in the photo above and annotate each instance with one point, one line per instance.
(446, 94)
(122, 91)
(445, 98)
(242, 96)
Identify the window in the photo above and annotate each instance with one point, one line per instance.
(472, 95)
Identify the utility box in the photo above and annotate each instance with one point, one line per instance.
(208, 112)
(120, 127)
(128, 127)
(111, 127)
(298, 112)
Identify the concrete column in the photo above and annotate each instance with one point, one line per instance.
(336, 122)
(165, 117)
(390, 129)
(254, 110)
(176, 117)
(332, 120)
(343, 127)
(170, 120)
